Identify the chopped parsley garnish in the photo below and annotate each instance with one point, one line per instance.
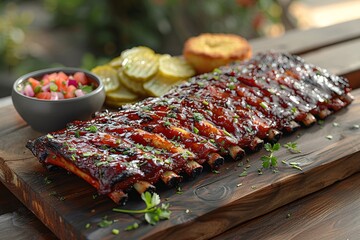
(231, 86)
(217, 70)
(264, 105)
(296, 166)
(167, 124)
(105, 223)
(47, 180)
(205, 102)
(196, 131)
(198, 117)
(133, 226)
(292, 147)
(77, 134)
(115, 231)
(243, 174)
(171, 115)
(87, 154)
(330, 137)
(227, 133)
(92, 129)
(153, 213)
(86, 88)
(87, 226)
(179, 190)
(321, 122)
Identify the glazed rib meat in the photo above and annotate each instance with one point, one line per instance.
(217, 115)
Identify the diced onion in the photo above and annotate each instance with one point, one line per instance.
(28, 91)
(46, 88)
(79, 93)
(56, 95)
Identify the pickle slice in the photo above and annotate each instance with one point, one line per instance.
(119, 103)
(108, 76)
(122, 94)
(140, 50)
(142, 66)
(159, 86)
(175, 67)
(116, 62)
(134, 86)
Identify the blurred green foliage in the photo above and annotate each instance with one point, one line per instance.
(109, 26)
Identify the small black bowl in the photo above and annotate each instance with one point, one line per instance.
(52, 115)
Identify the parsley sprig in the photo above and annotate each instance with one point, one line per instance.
(153, 213)
(270, 160)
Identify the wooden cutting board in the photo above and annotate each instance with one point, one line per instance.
(206, 207)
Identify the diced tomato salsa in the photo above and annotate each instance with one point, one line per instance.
(57, 86)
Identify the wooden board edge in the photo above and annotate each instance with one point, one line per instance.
(212, 223)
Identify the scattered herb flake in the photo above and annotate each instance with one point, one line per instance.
(47, 180)
(133, 226)
(215, 171)
(243, 174)
(196, 131)
(198, 116)
(167, 124)
(49, 136)
(115, 231)
(179, 190)
(231, 86)
(321, 122)
(77, 134)
(292, 147)
(264, 105)
(87, 226)
(227, 133)
(296, 167)
(92, 129)
(105, 223)
(355, 126)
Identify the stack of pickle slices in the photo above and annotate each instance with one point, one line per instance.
(139, 72)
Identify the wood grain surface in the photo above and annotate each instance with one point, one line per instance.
(208, 205)
(305, 41)
(332, 213)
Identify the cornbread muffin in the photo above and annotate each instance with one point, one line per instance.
(208, 51)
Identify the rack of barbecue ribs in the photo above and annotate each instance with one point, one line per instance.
(223, 114)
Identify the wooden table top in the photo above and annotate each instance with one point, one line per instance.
(331, 213)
